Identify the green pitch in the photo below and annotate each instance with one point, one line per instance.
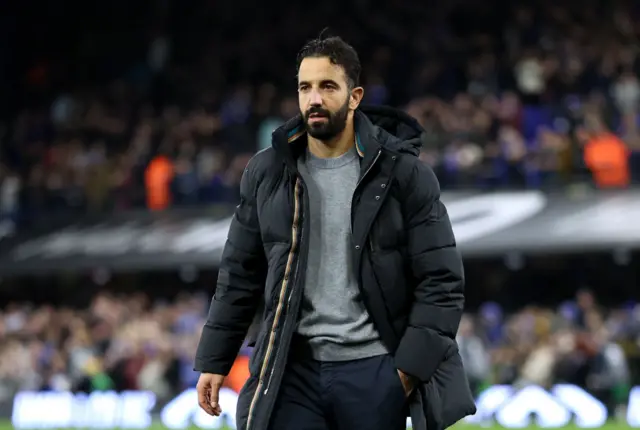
(5, 425)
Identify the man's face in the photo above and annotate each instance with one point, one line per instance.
(325, 98)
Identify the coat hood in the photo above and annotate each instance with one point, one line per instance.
(394, 129)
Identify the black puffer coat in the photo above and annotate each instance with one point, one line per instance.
(409, 270)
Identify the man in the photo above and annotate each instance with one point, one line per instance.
(340, 230)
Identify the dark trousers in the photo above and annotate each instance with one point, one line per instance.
(361, 394)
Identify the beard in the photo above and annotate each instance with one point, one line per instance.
(334, 124)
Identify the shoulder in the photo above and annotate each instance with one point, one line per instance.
(415, 178)
(261, 165)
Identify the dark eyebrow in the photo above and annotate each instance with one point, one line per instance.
(325, 81)
(330, 81)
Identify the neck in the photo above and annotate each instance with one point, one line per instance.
(335, 147)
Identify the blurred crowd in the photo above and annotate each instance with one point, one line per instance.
(154, 106)
(117, 343)
(132, 343)
(579, 343)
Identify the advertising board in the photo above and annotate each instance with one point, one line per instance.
(485, 224)
(500, 404)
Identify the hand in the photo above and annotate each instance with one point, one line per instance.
(407, 381)
(208, 389)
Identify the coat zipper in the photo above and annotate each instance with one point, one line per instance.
(373, 163)
(279, 308)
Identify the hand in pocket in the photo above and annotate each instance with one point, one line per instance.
(408, 383)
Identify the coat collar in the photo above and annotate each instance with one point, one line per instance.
(288, 139)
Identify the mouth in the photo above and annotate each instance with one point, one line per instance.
(317, 117)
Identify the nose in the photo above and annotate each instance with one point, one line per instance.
(315, 99)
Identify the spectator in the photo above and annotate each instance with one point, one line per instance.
(626, 92)
(475, 356)
(607, 156)
(530, 77)
(158, 177)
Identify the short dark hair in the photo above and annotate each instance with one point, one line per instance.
(339, 53)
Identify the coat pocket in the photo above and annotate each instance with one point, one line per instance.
(277, 260)
(257, 355)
